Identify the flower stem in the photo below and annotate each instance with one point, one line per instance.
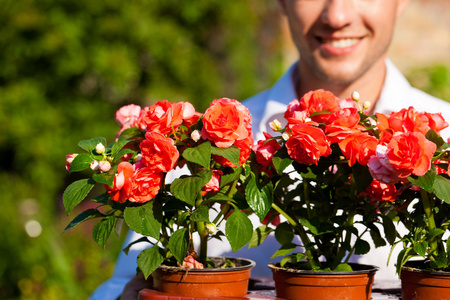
(302, 233)
(202, 232)
(430, 220)
(306, 195)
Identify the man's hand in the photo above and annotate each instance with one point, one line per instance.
(137, 283)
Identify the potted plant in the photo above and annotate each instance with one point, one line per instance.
(415, 162)
(337, 199)
(212, 148)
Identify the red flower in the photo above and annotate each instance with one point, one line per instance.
(341, 124)
(439, 163)
(358, 146)
(122, 183)
(410, 153)
(379, 191)
(245, 147)
(307, 144)
(411, 120)
(145, 185)
(380, 168)
(295, 114)
(317, 101)
(165, 117)
(214, 184)
(159, 152)
(275, 219)
(128, 116)
(436, 121)
(225, 122)
(265, 150)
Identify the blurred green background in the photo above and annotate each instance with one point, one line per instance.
(66, 66)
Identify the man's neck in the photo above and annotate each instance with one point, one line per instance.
(369, 85)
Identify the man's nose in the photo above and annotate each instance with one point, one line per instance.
(338, 13)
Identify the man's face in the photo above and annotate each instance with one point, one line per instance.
(339, 40)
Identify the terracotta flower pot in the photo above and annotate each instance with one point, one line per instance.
(421, 284)
(210, 282)
(318, 285)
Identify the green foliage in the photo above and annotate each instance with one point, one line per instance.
(434, 79)
(66, 66)
(239, 230)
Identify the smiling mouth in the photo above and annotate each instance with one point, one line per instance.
(340, 43)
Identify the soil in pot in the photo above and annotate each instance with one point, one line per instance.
(209, 282)
(421, 283)
(293, 284)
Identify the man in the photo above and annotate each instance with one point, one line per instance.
(342, 46)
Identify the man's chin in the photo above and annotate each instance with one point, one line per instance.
(342, 74)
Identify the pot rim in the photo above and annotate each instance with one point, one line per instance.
(417, 266)
(363, 269)
(248, 264)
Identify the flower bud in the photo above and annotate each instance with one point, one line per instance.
(275, 125)
(100, 149)
(355, 96)
(211, 228)
(138, 157)
(366, 105)
(195, 135)
(104, 166)
(285, 136)
(95, 166)
(69, 160)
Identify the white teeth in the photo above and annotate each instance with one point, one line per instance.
(341, 43)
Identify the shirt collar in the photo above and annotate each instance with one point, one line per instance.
(395, 93)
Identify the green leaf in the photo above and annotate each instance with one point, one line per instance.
(227, 178)
(259, 199)
(105, 178)
(84, 216)
(121, 154)
(440, 262)
(200, 155)
(435, 232)
(150, 259)
(117, 146)
(76, 192)
(239, 230)
(426, 181)
(140, 240)
(390, 231)
(284, 233)
(80, 162)
(361, 247)
(145, 219)
(308, 225)
(295, 259)
(362, 177)
(131, 133)
(103, 198)
(89, 145)
(179, 244)
(284, 250)
(435, 138)
(102, 230)
(201, 214)
(421, 248)
(188, 188)
(259, 235)
(441, 188)
(448, 247)
(232, 153)
(281, 160)
(343, 268)
(376, 237)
